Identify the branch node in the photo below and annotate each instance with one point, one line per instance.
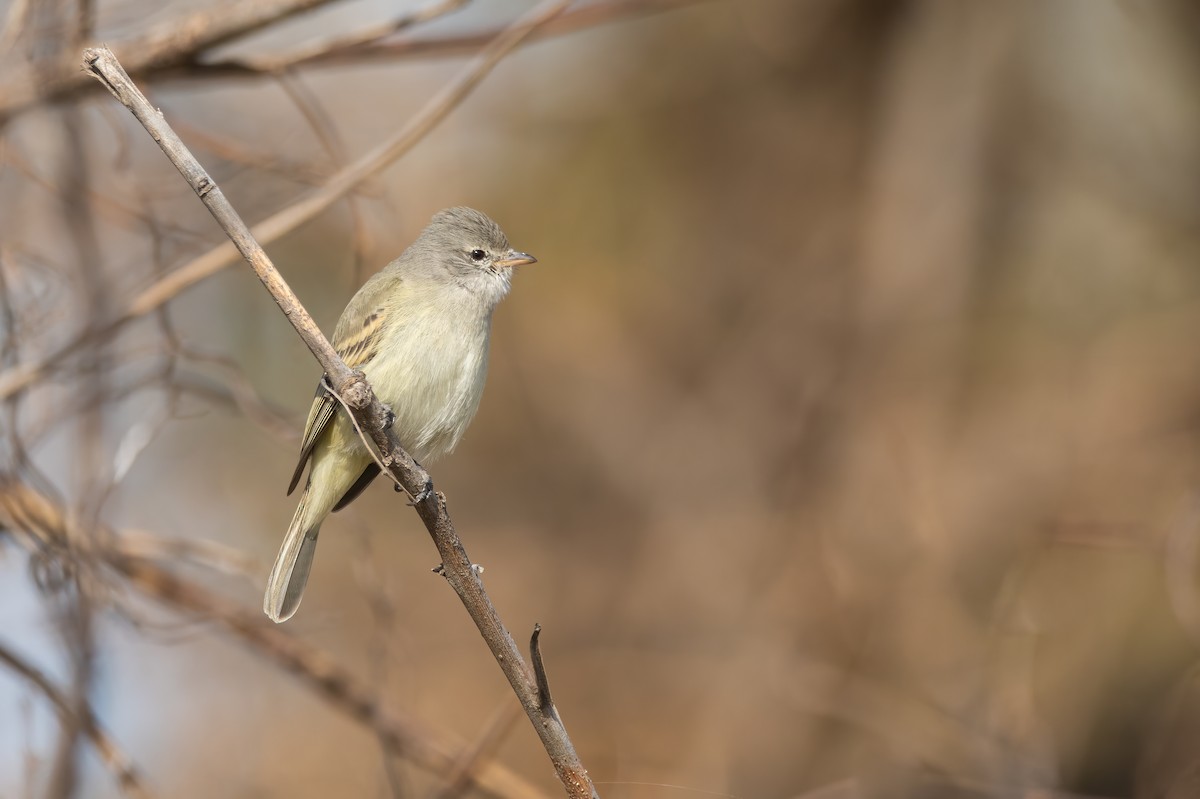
(92, 58)
(545, 703)
(204, 184)
(355, 391)
(351, 387)
(426, 490)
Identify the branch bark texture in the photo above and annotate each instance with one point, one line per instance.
(175, 42)
(376, 49)
(360, 400)
(18, 378)
(44, 528)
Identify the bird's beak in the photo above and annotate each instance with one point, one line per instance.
(514, 258)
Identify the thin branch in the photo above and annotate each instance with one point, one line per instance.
(173, 42)
(324, 128)
(234, 391)
(352, 51)
(173, 50)
(40, 525)
(364, 36)
(10, 352)
(15, 23)
(399, 735)
(85, 720)
(383, 618)
(475, 755)
(539, 670)
(85, 23)
(103, 205)
(231, 387)
(73, 608)
(353, 388)
(376, 452)
(211, 554)
(20, 377)
(75, 617)
(239, 153)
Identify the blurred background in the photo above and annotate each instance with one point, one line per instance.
(845, 440)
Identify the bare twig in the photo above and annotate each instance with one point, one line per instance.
(265, 160)
(18, 378)
(326, 131)
(10, 352)
(85, 720)
(375, 450)
(353, 388)
(234, 390)
(539, 670)
(40, 524)
(77, 629)
(212, 554)
(174, 42)
(364, 49)
(362, 37)
(85, 22)
(383, 617)
(340, 687)
(15, 23)
(73, 607)
(475, 755)
(173, 50)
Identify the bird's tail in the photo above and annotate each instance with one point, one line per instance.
(285, 588)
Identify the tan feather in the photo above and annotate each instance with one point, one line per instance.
(361, 346)
(356, 348)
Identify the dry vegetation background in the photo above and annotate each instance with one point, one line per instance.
(844, 441)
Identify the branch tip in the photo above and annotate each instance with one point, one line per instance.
(545, 703)
(351, 388)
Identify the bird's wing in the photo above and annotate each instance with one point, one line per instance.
(357, 345)
(370, 473)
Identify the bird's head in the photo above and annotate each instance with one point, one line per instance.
(471, 249)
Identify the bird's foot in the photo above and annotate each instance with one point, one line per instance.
(425, 493)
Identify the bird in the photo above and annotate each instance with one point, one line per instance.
(419, 331)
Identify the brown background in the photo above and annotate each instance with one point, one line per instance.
(845, 434)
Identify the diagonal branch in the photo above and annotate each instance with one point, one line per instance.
(176, 41)
(41, 525)
(476, 756)
(357, 394)
(21, 376)
(83, 718)
(324, 128)
(173, 51)
(371, 48)
(399, 735)
(364, 36)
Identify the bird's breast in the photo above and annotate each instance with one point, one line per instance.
(431, 373)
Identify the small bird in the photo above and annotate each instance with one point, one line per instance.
(419, 331)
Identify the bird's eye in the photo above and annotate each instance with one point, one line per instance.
(478, 255)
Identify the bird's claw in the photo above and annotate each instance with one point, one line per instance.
(422, 495)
